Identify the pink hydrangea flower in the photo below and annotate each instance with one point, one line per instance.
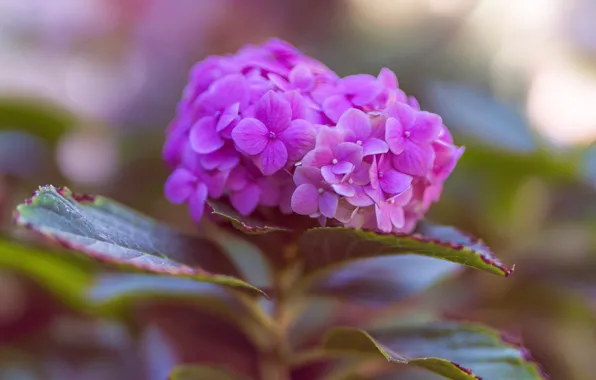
(271, 127)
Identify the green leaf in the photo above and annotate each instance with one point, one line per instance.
(203, 372)
(111, 233)
(245, 224)
(65, 277)
(459, 351)
(325, 248)
(36, 117)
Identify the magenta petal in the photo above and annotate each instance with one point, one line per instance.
(383, 219)
(216, 183)
(196, 202)
(328, 137)
(374, 174)
(301, 77)
(394, 182)
(360, 198)
(299, 138)
(180, 186)
(426, 128)
(318, 157)
(335, 106)
(414, 160)
(273, 158)
(298, 104)
(374, 146)
(229, 114)
(360, 175)
(363, 87)
(237, 179)
(328, 204)
(223, 93)
(397, 216)
(274, 111)
(402, 112)
(251, 136)
(203, 136)
(307, 174)
(279, 82)
(329, 176)
(223, 159)
(342, 167)
(355, 124)
(387, 78)
(270, 193)
(245, 201)
(344, 189)
(305, 200)
(394, 135)
(349, 152)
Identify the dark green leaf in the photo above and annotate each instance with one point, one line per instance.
(203, 372)
(325, 248)
(459, 351)
(114, 234)
(36, 117)
(245, 224)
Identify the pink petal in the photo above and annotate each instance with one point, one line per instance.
(270, 192)
(360, 198)
(328, 137)
(223, 159)
(402, 112)
(329, 176)
(373, 173)
(307, 175)
(203, 136)
(383, 219)
(245, 201)
(363, 87)
(374, 146)
(335, 106)
(273, 158)
(402, 199)
(280, 82)
(179, 186)
(223, 93)
(387, 78)
(299, 138)
(301, 77)
(229, 114)
(355, 125)
(414, 160)
(251, 136)
(328, 204)
(360, 175)
(196, 202)
(342, 167)
(298, 104)
(344, 189)
(237, 178)
(394, 182)
(274, 111)
(426, 128)
(394, 135)
(349, 152)
(305, 200)
(216, 183)
(397, 216)
(318, 157)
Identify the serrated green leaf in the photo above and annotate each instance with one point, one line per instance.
(325, 248)
(459, 351)
(111, 233)
(245, 224)
(203, 372)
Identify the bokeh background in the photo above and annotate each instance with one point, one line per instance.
(87, 89)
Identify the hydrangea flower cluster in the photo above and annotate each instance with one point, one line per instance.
(272, 127)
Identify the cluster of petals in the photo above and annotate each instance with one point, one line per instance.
(271, 127)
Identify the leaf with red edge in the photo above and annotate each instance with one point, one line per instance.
(203, 372)
(114, 234)
(326, 248)
(459, 351)
(248, 225)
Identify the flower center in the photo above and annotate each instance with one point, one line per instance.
(350, 181)
(334, 161)
(321, 190)
(359, 142)
(391, 201)
(272, 135)
(407, 133)
(381, 174)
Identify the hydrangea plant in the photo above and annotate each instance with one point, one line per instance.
(309, 192)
